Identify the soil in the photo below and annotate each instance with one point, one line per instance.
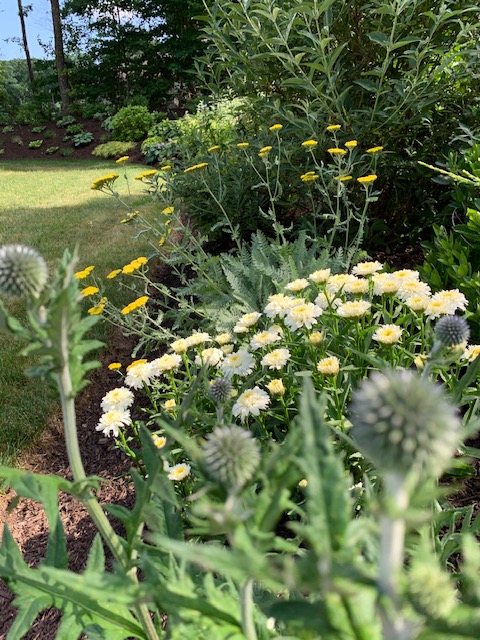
(15, 144)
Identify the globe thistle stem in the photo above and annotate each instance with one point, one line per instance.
(392, 541)
(246, 600)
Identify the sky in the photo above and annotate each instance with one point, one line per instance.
(38, 25)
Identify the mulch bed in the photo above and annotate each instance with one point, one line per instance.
(15, 143)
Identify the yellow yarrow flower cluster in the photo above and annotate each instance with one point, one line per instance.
(114, 274)
(113, 366)
(308, 144)
(374, 149)
(351, 144)
(309, 176)
(105, 182)
(166, 167)
(275, 127)
(343, 178)
(367, 179)
(122, 160)
(136, 304)
(264, 151)
(334, 127)
(79, 275)
(146, 174)
(95, 311)
(215, 147)
(89, 291)
(335, 151)
(133, 265)
(196, 167)
(168, 210)
(243, 145)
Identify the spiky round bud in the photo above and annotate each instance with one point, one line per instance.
(231, 456)
(220, 390)
(23, 271)
(431, 590)
(403, 423)
(452, 330)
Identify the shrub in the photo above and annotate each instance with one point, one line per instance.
(131, 124)
(17, 140)
(113, 149)
(7, 128)
(49, 134)
(35, 144)
(40, 129)
(398, 74)
(83, 138)
(73, 129)
(65, 121)
(67, 153)
(51, 150)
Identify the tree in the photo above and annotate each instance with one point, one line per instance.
(22, 13)
(63, 83)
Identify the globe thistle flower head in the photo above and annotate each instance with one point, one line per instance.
(403, 423)
(23, 271)
(220, 390)
(231, 456)
(452, 330)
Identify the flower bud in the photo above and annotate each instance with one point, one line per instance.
(220, 390)
(402, 422)
(452, 330)
(231, 456)
(23, 271)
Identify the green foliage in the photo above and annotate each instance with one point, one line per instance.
(395, 74)
(40, 129)
(73, 129)
(35, 144)
(67, 152)
(83, 138)
(51, 150)
(113, 149)
(7, 129)
(49, 134)
(131, 124)
(65, 121)
(17, 140)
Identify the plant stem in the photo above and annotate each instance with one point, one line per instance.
(246, 602)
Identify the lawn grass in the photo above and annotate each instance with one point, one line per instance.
(49, 205)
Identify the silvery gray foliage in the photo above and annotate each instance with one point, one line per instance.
(403, 422)
(23, 271)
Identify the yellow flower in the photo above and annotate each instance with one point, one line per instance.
(166, 167)
(128, 268)
(139, 302)
(114, 273)
(334, 127)
(309, 177)
(126, 310)
(89, 291)
(159, 441)
(104, 182)
(169, 405)
(79, 275)
(135, 362)
(343, 178)
(95, 311)
(374, 149)
(243, 145)
(367, 179)
(124, 221)
(215, 147)
(196, 167)
(141, 260)
(335, 151)
(351, 144)
(264, 151)
(115, 365)
(168, 210)
(161, 242)
(122, 160)
(146, 174)
(309, 143)
(303, 483)
(276, 127)
(276, 387)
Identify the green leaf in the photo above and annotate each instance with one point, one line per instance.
(368, 85)
(379, 38)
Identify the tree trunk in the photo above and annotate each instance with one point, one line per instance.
(63, 83)
(21, 15)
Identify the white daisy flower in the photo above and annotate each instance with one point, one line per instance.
(168, 362)
(276, 359)
(246, 321)
(337, 282)
(180, 345)
(437, 308)
(385, 283)
(409, 288)
(297, 285)
(138, 375)
(209, 357)
(303, 315)
(320, 276)
(354, 309)
(265, 338)
(250, 403)
(388, 334)
(120, 399)
(367, 268)
(179, 471)
(453, 297)
(111, 421)
(238, 363)
(278, 305)
(356, 286)
(329, 366)
(223, 338)
(198, 338)
(418, 302)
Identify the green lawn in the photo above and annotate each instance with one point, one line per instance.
(49, 205)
